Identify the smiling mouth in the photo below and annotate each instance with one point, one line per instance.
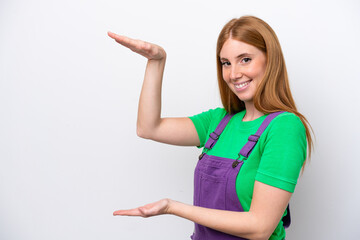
(243, 84)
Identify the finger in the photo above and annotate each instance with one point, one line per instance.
(111, 34)
(126, 42)
(129, 212)
(117, 36)
(132, 43)
(120, 39)
(138, 46)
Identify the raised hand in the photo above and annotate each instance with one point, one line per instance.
(150, 123)
(149, 210)
(148, 50)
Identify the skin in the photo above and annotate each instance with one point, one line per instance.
(268, 203)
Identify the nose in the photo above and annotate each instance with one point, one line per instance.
(235, 73)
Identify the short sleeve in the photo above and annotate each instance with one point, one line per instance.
(284, 152)
(206, 122)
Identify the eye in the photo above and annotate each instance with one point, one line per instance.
(225, 63)
(246, 60)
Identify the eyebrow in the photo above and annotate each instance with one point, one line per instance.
(239, 56)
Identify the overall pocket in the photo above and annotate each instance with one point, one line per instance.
(212, 191)
(210, 183)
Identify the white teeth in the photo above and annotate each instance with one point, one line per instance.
(242, 84)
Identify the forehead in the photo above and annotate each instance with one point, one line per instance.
(234, 47)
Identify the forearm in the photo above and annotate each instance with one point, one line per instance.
(149, 111)
(241, 224)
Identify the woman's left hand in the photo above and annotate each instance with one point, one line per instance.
(149, 210)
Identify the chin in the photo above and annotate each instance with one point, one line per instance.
(245, 99)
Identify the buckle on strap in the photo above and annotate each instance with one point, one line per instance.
(203, 153)
(214, 136)
(253, 138)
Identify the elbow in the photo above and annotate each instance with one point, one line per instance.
(141, 133)
(146, 130)
(259, 229)
(257, 234)
(261, 235)
(262, 230)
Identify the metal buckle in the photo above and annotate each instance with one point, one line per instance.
(239, 156)
(236, 162)
(253, 138)
(203, 153)
(214, 138)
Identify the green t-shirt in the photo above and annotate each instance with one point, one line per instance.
(276, 159)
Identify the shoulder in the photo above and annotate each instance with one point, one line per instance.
(286, 131)
(287, 121)
(210, 115)
(284, 150)
(216, 112)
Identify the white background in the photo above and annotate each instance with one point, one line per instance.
(69, 154)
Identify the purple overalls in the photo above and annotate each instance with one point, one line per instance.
(215, 179)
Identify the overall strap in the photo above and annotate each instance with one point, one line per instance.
(214, 136)
(252, 140)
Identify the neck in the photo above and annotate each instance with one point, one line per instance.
(251, 112)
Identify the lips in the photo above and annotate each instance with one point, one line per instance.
(242, 85)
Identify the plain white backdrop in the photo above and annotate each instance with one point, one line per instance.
(69, 154)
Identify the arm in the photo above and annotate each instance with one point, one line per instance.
(267, 207)
(150, 125)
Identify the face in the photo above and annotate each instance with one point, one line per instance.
(243, 67)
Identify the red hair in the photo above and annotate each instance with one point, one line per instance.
(273, 93)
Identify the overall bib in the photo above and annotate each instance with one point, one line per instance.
(215, 180)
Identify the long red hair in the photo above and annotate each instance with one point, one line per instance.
(273, 93)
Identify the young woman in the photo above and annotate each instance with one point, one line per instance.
(244, 179)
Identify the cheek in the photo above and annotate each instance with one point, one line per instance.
(256, 71)
(260, 68)
(225, 75)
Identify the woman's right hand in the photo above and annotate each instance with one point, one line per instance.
(146, 49)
